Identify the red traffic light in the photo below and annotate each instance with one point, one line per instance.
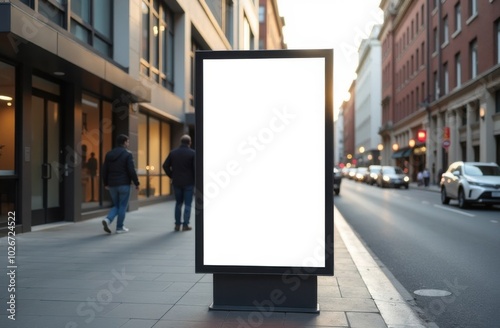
(421, 135)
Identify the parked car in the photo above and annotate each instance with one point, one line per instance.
(471, 182)
(373, 172)
(392, 176)
(337, 179)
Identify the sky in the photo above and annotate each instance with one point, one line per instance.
(331, 24)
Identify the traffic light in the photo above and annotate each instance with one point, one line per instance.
(421, 136)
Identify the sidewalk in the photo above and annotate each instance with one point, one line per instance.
(431, 187)
(75, 275)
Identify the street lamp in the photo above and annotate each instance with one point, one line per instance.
(380, 147)
(395, 147)
(411, 143)
(482, 113)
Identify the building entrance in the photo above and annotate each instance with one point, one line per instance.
(46, 174)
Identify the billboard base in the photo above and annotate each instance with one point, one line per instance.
(265, 293)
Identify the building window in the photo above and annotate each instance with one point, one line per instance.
(422, 14)
(91, 23)
(472, 8)
(8, 181)
(157, 54)
(497, 39)
(228, 23)
(96, 142)
(446, 78)
(423, 92)
(436, 86)
(262, 14)
(436, 39)
(458, 70)
(473, 59)
(7, 119)
(194, 47)
(497, 102)
(445, 30)
(422, 52)
(54, 10)
(153, 148)
(458, 17)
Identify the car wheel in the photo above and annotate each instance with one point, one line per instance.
(444, 199)
(462, 203)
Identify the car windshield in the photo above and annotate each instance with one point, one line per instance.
(480, 170)
(392, 170)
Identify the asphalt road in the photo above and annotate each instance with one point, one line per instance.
(427, 245)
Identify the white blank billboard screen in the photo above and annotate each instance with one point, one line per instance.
(264, 162)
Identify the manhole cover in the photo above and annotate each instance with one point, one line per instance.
(432, 292)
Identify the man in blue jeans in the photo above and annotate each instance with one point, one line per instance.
(118, 172)
(179, 166)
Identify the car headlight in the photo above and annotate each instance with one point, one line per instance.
(386, 178)
(406, 179)
(473, 183)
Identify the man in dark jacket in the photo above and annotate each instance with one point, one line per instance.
(118, 171)
(179, 166)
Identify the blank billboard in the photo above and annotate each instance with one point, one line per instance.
(264, 122)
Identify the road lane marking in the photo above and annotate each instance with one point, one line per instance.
(455, 211)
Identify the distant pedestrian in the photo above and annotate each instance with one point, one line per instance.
(420, 178)
(427, 176)
(179, 166)
(92, 168)
(118, 172)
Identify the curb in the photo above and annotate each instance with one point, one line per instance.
(393, 307)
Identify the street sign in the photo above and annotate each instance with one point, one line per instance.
(446, 144)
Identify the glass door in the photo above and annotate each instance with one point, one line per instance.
(45, 159)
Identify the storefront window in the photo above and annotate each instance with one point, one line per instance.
(154, 146)
(7, 119)
(7, 142)
(96, 141)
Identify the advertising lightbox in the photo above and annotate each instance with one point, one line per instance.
(264, 161)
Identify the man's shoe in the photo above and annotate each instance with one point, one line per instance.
(122, 230)
(105, 225)
(186, 228)
(177, 227)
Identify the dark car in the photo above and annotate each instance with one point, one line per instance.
(337, 179)
(373, 172)
(392, 176)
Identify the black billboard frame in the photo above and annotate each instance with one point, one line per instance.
(200, 266)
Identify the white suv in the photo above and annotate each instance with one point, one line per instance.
(471, 182)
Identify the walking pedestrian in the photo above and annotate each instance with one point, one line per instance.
(179, 166)
(118, 172)
(426, 175)
(420, 178)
